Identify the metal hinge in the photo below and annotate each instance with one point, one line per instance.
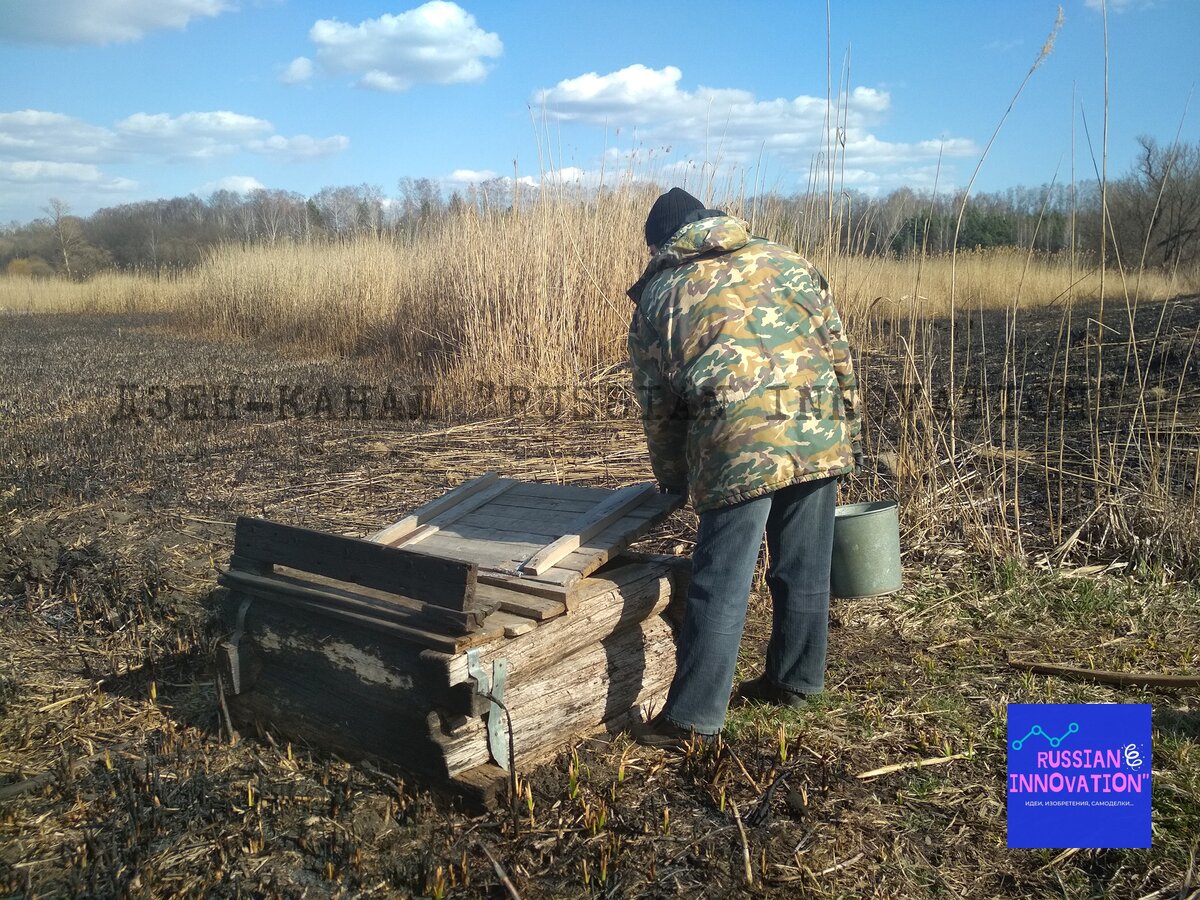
(233, 659)
(493, 690)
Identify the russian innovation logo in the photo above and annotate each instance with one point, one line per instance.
(1078, 775)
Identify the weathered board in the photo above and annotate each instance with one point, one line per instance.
(445, 582)
(365, 690)
(395, 647)
(531, 537)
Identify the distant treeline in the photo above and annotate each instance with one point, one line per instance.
(1154, 216)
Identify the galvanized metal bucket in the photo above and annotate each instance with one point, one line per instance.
(866, 550)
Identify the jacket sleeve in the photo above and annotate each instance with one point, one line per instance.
(663, 411)
(843, 363)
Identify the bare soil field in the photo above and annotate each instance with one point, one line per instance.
(127, 449)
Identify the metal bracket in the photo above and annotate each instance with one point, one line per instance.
(493, 690)
(233, 660)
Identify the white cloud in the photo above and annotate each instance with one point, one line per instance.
(239, 184)
(220, 123)
(32, 134)
(45, 173)
(98, 21)
(195, 135)
(869, 150)
(462, 177)
(732, 124)
(38, 135)
(635, 93)
(300, 147)
(44, 153)
(1119, 6)
(298, 71)
(568, 177)
(469, 176)
(438, 42)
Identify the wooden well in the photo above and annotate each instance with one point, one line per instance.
(501, 602)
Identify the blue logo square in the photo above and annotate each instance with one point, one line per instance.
(1078, 775)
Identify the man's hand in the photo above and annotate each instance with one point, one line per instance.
(860, 461)
(674, 490)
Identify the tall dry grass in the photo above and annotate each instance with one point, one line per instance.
(108, 292)
(537, 298)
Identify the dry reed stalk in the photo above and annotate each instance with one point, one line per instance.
(487, 304)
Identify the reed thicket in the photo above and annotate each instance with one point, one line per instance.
(537, 297)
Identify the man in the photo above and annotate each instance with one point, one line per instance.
(749, 401)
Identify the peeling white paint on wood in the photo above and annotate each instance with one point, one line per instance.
(367, 667)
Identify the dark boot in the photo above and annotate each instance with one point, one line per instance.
(663, 734)
(759, 690)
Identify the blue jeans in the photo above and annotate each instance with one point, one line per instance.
(798, 521)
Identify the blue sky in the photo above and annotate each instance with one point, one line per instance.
(110, 101)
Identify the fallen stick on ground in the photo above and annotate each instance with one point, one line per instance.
(499, 869)
(224, 706)
(737, 817)
(914, 764)
(1106, 677)
(839, 866)
(36, 782)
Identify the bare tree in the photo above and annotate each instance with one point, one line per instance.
(421, 199)
(68, 232)
(344, 210)
(277, 214)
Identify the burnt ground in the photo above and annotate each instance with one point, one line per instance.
(116, 778)
(1056, 415)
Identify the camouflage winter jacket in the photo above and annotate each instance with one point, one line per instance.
(744, 378)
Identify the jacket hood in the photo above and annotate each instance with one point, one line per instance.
(712, 235)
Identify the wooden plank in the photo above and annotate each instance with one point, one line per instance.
(446, 582)
(483, 552)
(512, 500)
(482, 788)
(555, 583)
(258, 567)
(534, 607)
(477, 613)
(503, 538)
(528, 605)
(679, 569)
(561, 581)
(531, 525)
(435, 507)
(420, 616)
(420, 637)
(587, 526)
(575, 695)
(522, 507)
(326, 711)
(609, 544)
(549, 523)
(281, 635)
(626, 574)
(629, 594)
(444, 643)
(538, 587)
(513, 625)
(456, 512)
(546, 490)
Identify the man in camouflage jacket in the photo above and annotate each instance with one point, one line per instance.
(749, 402)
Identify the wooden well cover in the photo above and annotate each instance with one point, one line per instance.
(531, 536)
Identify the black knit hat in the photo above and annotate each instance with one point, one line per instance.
(667, 215)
